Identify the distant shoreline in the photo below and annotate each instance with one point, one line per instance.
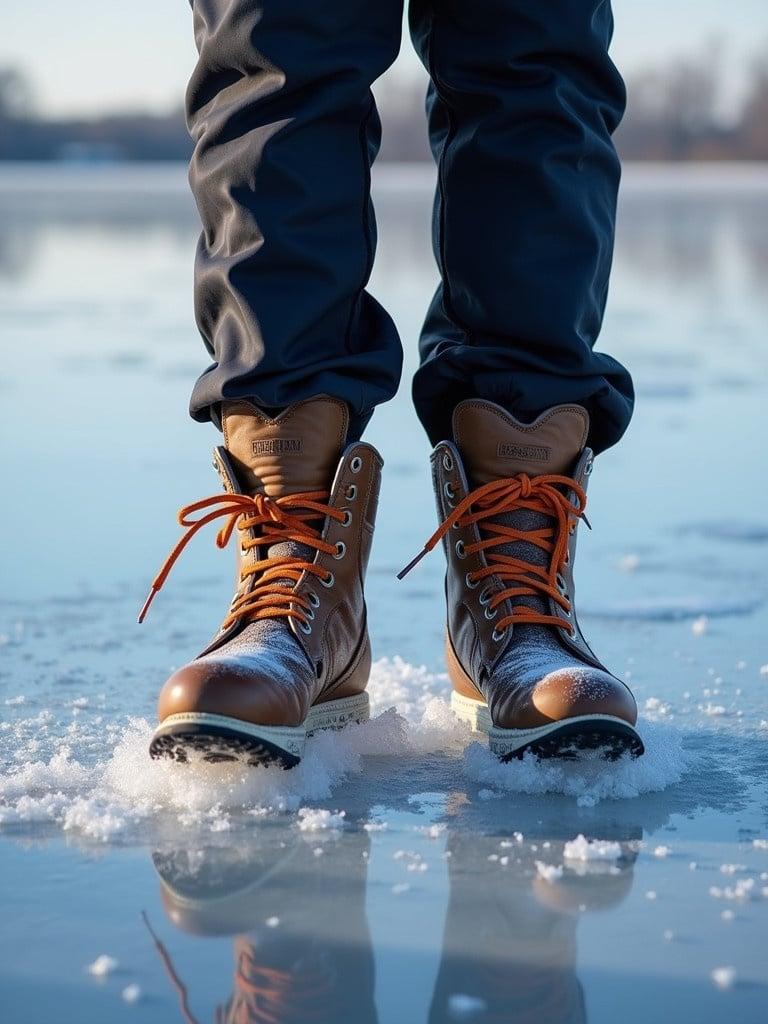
(169, 177)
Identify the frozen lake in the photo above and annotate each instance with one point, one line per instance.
(400, 875)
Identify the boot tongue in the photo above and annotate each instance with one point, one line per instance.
(292, 452)
(494, 445)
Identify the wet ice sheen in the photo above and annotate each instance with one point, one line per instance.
(112, 794)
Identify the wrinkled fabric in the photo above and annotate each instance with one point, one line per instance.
(521, 107)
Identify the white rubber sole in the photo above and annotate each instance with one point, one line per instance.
(216, 738)
(568, 738)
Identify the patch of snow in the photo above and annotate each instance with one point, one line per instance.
(662, 851)
(741, 891)
(699, 626)
(589, 778)
(723, 977)
(311, 819)
(272, 922)
(549, 872)
(628, 563)
(584, 849)
(131, 993)
(102, 966)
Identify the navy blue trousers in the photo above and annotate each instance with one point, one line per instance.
(521, 107)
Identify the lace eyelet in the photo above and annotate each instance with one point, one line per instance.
(341, 549)
(305, 627)
(498, 634)
(471, 584)
(310, 613)
(561, 586)
(485, 596)
(329, 581)
(460, 550)
(491, 613)
(356, 464)
(351, 492)
(346, 521)
(447, 462)
(589, 466)
(313, 599)
(448, 491)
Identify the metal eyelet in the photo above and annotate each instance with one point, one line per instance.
(305, 628)
(460, 550)
(313, 599)
(329, 581)
(351, 492)
(341, 549)
(485, 596)
(588, 467)
(346, 521)
(498, 634)
(244, 552)
(568, 613)
(567, 558)
(356, 464)
(309, 612)
(491, 613)
(448, 491)
(447, 462)
(471, 584)
(560, 580)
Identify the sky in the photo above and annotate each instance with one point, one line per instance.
(87, 56)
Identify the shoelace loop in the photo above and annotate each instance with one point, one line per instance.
(286, 518)
(546, 494)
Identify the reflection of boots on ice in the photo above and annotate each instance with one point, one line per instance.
(301, 944)
(509, 948)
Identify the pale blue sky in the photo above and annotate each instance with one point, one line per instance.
(90, 55)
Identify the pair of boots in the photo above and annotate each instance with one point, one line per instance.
(292, 655)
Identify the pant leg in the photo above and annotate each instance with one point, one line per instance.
(522, 105)
(285, 130)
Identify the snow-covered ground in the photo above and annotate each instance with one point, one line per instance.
(400, 871)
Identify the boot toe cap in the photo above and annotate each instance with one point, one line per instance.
(573, 692)
(223, 686)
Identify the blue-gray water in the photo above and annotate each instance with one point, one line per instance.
(390, 922)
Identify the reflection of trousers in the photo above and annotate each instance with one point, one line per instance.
(522, 103)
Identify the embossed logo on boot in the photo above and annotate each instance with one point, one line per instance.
(531, 452)
(278, 446)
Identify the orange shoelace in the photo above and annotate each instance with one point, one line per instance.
(282, 519)
(274, 996)
(541, 494)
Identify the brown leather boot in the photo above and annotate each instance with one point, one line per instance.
(510, 496)
(292, 655)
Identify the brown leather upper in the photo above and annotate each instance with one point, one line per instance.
(529, 675)
(270, 672)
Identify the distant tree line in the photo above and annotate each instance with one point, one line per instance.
(673, 114)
